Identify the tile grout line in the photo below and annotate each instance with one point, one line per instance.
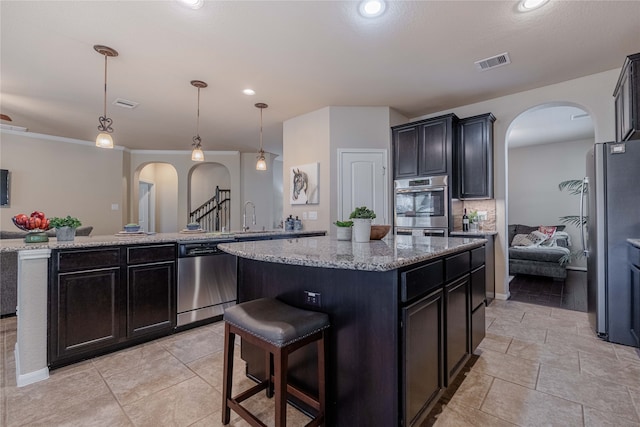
(112, 393)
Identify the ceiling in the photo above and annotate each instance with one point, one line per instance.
(298, 56)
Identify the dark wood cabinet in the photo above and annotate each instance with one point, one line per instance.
(457, 314)
(423, 343)
(634, 271)
(104, 299)
(627, 100)
(473, 178)
(424, 148)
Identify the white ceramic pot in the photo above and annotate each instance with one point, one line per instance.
(65, 234)
(361, 229)
(343, 233)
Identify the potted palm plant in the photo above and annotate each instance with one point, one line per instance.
(65, 227)
(362, 217)
(343, 231)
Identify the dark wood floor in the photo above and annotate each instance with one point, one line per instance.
(572, 294)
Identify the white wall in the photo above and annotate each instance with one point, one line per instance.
(592, 93)
(184, 166)
(534, 174)
(278, 195)
(257, 187)
(165, 180)
(60, 177)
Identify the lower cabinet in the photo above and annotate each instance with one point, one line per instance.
(423, 368)
(634, 267)
(99, 302)
(457, 312)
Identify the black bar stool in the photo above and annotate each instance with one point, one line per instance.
(279, 329)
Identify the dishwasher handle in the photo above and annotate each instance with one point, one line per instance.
(194, 250)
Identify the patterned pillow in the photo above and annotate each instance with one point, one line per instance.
(549, 230)
(532, 239)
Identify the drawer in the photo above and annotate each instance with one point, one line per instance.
(477, 327)
(420, 280)
(87, 259)
(634, 255)
(477, 257)
(151, 253)
(478, 284)
(456, 265)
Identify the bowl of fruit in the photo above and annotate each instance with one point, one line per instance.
(35, 226)
(36, 223)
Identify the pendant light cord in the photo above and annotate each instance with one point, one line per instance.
(198, 117)
(105, 85)
(261, 150)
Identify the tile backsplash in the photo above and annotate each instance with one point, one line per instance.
(458, 206)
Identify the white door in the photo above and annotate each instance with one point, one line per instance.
(363, 181)
(146, 206)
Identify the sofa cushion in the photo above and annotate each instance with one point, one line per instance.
(526, 229)
(537, 253)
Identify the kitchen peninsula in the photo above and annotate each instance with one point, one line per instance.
(100, 293)
(400, 310)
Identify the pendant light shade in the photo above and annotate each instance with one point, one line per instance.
(261, 164)
(104, 139)
(197, 155)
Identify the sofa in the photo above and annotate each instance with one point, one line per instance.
(538, 259)
(9, 269)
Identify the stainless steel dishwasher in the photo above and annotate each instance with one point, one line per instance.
(207, 281)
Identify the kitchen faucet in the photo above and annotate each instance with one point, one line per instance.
(244, 215)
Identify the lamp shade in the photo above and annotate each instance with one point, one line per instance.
(197, 155)
(261, 165)
(104, 140)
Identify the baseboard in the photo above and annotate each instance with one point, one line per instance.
(502, 297)
(31, 377)
(577, 268)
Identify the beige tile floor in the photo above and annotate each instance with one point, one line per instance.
(536, 366)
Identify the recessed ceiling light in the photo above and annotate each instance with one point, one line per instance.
(372, 8)
(249, 92)
(529, 5)
(193, 4)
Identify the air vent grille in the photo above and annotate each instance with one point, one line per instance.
(579, 116)
(125, 103)
(493, 62)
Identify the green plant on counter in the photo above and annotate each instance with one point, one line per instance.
(473, 216)
(69, 221)
(344, 223)
(131, 224)
(363, 212)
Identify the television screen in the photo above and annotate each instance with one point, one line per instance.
(4, 187)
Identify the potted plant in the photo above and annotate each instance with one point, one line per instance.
(343, 231)
(65, 227)
(362, 217)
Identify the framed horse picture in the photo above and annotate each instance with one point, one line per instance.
(304, 184)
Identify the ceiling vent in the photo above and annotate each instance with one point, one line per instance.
(493, 62)
(579, 116)
(125, 103)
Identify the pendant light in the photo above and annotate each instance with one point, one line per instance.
(261, 165)
(104, 139)
(197, 155)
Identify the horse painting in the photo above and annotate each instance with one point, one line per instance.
(304, 184)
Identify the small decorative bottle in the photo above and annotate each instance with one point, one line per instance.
(465, 221)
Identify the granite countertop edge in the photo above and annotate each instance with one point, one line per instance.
(474, 233)
(270, 251)
(14, 245)
(634, 242)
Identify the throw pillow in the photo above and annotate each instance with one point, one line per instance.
(521, 240)
(548, 230)
(532, 239)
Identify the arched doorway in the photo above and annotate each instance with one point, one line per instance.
(546, 145)
(156, 197)
(209, 187)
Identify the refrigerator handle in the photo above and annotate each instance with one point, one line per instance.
(585, 183)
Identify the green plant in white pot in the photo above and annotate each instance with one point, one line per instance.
(343, 230)
(362, 217)
(65, 227)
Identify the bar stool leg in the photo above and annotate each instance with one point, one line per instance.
(269, 373)
(280, 379)
(229, 340)
(321, 377)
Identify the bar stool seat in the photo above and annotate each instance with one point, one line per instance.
(279, 329)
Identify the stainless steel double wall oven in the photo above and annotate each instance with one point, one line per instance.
(421, 206)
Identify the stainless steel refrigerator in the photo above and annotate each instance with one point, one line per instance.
(611, 203)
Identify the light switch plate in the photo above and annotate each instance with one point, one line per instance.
(115, 206)
(313, 214)
(304, 215)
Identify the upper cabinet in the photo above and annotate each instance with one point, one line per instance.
(473, 178)
(424, 148)
(627, 100)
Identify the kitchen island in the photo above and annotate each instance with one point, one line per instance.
(400, 311)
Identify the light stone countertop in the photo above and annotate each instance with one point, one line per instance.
(634, 242)
(377, 255)
(13, 245)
